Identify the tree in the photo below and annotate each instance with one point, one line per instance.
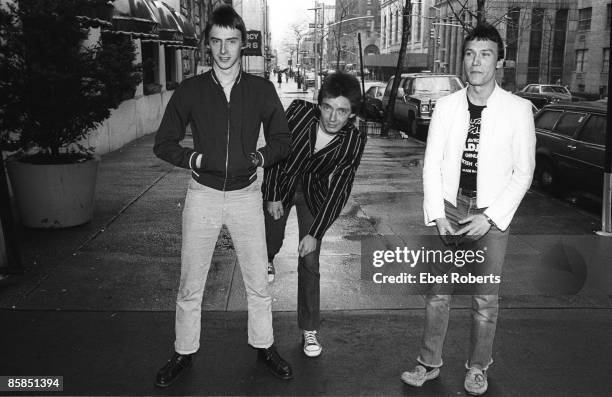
(398, 71)
(43, 60)
(345, 10)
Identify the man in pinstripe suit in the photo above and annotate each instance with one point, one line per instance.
(317, 178)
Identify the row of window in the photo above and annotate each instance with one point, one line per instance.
(395, 26)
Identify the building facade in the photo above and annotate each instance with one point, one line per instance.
(556, 41)
(353, 17)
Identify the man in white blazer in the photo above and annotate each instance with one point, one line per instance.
(479, 163)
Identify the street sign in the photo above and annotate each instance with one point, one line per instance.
(312, 26)
(253, 44)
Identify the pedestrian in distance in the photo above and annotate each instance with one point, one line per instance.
(279, 78)
(225, 108)
(316, 178)
(479, 163)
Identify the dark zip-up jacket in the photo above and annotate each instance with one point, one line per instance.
(224, 133)
(326, 176)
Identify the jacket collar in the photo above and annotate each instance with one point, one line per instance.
(493, 99)
(216, 79)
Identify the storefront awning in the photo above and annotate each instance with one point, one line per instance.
(190, 37)
(134, 17)
(97, 14)
(170, 31)
(412, 60)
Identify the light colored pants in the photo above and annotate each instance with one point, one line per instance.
(484, 307)
(206, 210)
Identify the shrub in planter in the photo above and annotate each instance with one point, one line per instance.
(54, 91)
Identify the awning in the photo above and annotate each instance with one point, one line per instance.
(169, 28)
(190, 37)
(134, 17)
(412, 60)
(97, 14)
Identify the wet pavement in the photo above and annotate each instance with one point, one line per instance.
(96, 302)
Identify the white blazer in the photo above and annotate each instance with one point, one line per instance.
(506, 155)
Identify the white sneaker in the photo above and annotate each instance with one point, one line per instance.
(419, 375)
(475, 382)
(312, 347)
(271, 272)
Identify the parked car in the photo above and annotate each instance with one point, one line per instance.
(416, 98)
(571, 147)
(543, 94)
(372, 108)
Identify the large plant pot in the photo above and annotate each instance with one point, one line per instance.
(54, 195)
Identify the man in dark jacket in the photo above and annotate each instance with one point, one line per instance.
(317, 177)
(225, 109)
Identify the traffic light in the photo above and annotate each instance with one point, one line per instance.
(438, 41)
(432, 33)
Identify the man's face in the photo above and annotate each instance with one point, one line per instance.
(335, 113)
(225, 45)
(480, 61)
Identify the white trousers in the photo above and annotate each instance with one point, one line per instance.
(206, 210)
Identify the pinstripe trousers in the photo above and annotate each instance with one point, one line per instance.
(309, 291)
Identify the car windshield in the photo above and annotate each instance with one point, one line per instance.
(436, 84)
(558, 90)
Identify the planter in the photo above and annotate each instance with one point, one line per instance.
(54, 195)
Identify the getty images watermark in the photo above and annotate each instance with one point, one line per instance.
(532, 265)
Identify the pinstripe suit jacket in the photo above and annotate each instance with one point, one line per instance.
(326, 176)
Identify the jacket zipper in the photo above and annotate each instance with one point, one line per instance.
(227, 144)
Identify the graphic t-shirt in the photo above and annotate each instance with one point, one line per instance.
(469, 160)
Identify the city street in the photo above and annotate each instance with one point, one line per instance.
(96, 302)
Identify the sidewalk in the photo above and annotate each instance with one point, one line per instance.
(96, 304)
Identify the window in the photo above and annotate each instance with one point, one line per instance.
(608, 15)
(384, 30)
(547, 119)
(584, 18)
(397, 19)
(581, 56)
(568, 123)
(594, 130)
(171, 75)
(150, 67)
(605, 64)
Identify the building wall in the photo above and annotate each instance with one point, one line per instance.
(369, 29)
(533, 66)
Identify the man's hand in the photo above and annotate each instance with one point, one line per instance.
(307, 245)
(444, 227)
(275, 209)
(475, 225)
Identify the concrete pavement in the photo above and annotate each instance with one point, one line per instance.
(96, 302)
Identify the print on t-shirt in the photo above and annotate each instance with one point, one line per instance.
(469, 160)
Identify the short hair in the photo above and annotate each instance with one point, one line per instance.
(485, 31)
(341, 84)
(226, 17)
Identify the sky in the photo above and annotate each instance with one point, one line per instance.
(283, 15)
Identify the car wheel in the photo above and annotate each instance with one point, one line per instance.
(546, 176)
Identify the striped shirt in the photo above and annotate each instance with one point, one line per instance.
(326, 176)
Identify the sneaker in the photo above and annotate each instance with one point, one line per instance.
(419, 375)
(271, 272)
(312, 347)
(475, 382)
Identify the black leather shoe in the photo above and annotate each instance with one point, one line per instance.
(275, 363)
(173, 368)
